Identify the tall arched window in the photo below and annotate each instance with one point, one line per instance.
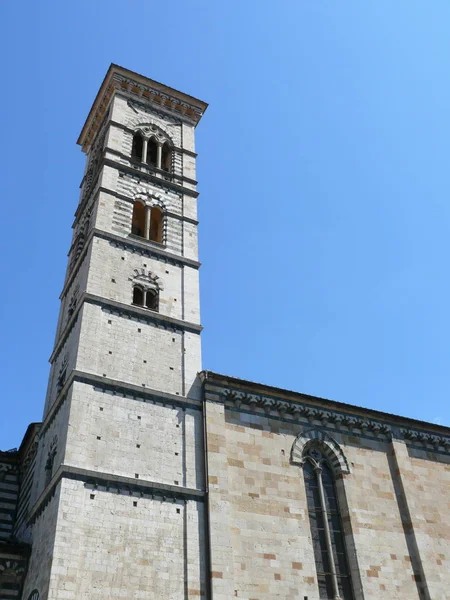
(152, 152)
(166, 157)
(136, 149)
(333, 575)
(138, 219)
(156, 222)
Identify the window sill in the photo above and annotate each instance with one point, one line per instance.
(143, 239)
(145, 307)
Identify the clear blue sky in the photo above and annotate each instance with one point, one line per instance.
(324, 179)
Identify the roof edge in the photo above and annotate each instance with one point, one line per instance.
(114, 69)
(206, 375)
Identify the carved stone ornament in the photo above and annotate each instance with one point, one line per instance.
(295, 411)
(321, 443)
(146, 279)
(11, 571)
(345, 423)
(150, 130)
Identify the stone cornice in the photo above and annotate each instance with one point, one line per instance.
(165, 177)
(180, 105)
(168, 213)
(121, 309)
(145, 247)
(150, 177)
(117, 484)
(143, 314)
(333, 416)
(117, 388)
(148, 248)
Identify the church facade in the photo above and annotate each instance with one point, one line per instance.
(149, 478)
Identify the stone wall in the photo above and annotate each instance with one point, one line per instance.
(393, 499)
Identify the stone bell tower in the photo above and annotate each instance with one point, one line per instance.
(119, 471)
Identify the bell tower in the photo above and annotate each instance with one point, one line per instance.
(118, 502)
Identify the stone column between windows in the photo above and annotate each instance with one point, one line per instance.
(326, 527)
(159, 155)
(147, 222)
(144, 150)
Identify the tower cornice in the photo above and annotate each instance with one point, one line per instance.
(132, 84)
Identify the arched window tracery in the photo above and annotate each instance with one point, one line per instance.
(333, 574)
(152, 147)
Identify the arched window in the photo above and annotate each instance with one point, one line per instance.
(138, 219)
(152, 152)
(136, 149)
(166, 157)
(156, 222)
(148, 298)
(152, 300)
(333, 575)
(138, 296)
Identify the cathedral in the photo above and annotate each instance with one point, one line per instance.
(150, 478)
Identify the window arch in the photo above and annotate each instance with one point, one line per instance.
(138, 219)
(166, 157)
(146, 298)
(333, 573)
(137, 147)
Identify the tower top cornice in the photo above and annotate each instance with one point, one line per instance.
(138, 87)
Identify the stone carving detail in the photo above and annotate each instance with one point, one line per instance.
(11, 571)
(80, 236)
(293, 411)
(6, 468)
(94, 164)
(330, 447)
(146, 279)
(62, 374)
(50, 459)
(426, 439)
(73, 302)
(29, 456)
(150, 130)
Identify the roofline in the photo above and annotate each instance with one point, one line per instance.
(141, 79)
(205, 375)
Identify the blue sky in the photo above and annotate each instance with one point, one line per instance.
(324, 180)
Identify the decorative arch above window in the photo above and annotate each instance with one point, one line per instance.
(322, 460)
(34, 595)
(332, 449)
(153, 146)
